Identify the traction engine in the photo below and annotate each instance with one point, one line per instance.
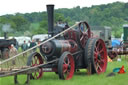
(123, 48)
(74, 49)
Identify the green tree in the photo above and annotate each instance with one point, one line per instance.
(21, 23)
(112, 14)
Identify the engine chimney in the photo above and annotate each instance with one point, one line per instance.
(50, 12)
(5, 35)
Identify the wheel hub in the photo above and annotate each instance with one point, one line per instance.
(69, 66)
(99, 56)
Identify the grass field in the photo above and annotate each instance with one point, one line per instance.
(79, 78)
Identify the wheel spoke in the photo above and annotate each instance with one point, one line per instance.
(95, 54)
(35, 75)
(68, 72)
(64, 62)
(35, 60)
(82, 37)
(96, 61)
(102, 61)
(98, 67)
(65, 67)
(64, 71)
(96, 50)
(102, 56)
(98, 46)
(102, 50)
(68, 62)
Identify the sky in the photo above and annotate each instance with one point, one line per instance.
(28, 6)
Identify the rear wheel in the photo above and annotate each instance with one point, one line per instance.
(66, 66)
(96, 54)
(33, 60)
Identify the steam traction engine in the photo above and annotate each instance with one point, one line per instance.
(4, 47)
(76, 49)
(123, 48)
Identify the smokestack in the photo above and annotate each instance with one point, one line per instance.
(5, 35)
(50, 12)
(125, 28)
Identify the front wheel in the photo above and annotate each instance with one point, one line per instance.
(66, 66)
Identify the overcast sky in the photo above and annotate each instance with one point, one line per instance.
(28, 6)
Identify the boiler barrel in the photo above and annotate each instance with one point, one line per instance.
(55, 48)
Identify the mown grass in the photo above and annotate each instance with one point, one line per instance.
(79, 78)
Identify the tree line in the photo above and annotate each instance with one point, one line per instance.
(113, 15)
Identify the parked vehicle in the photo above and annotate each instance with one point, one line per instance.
(39, 37)
(4, 47)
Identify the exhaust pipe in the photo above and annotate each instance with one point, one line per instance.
(5, 35)
(50, 12)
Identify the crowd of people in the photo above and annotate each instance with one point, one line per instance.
(13, 50)
(29, 45)
(25, 46)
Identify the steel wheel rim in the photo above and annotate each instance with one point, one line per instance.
(100, 57)
(36, 60)
(68, 67)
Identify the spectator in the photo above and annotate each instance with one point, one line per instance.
(13, 51)
(29, 43)
(32, 44)
(24, 47)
